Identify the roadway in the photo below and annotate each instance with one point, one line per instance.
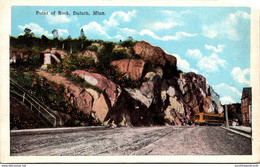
(166, 140)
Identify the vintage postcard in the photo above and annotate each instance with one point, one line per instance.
(120, 81)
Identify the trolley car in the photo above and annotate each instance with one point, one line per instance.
(209, 119)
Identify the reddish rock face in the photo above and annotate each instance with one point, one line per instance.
(77, 95)
(148, 52)
(110, 89)
(133, 68)
(84, 102)
(167, 95)
(171, 59)
(100, 107)
(81, 97)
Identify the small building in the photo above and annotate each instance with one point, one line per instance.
(246, 106)
(50, 57)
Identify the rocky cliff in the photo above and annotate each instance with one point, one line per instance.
(166, 95)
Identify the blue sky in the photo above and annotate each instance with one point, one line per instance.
(212, 41)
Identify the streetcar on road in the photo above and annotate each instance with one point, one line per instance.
(209, 119)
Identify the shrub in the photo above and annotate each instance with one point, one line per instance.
(119, 54)
(53, 95)
(92, 48)
(128, 43)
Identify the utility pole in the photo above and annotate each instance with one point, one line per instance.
(226, 113)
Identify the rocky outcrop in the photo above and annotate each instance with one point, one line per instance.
(85, 99)
(148, 52)
(139, 106)
(165, 96)
(162, 99)
(133, 68)
(110, 89)
(129, 111)
(90, 54)
(100, 107)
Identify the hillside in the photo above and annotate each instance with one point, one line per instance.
(131, 83)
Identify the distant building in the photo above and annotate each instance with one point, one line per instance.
(50, 57)
(234, 114)
(246, 106)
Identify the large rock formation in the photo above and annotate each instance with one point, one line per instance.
(173, 98)
(155, 54)
(85, 99)
(133, 68)
(111, 90)
(166, 95)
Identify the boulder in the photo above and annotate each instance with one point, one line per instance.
(149, 52)
(100, 107)
(133, 68)
(109, 88)
(86, 99)
(137, 95)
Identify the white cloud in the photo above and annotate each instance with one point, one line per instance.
(172, 19)
(224, 88)
(96, 31)
(63, 32)
(60, 19)
(178, 35)
(36, 29)
(164, 25)
(128, 31)
(193, 53)
(184, 65)
(226, 100)
(211, 63)
(227, 27)
(118, 17)
(217, 49)
(228, 94)
(241, 75)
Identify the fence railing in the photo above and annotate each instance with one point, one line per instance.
(34, 104)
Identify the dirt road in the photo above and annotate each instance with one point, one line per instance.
(165, 140)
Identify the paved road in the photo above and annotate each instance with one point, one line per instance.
(166, 140)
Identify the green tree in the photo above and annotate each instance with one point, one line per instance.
(82, 37)
(55, 33)
(27, 32)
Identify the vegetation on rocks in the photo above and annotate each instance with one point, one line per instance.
(51, 93)
(159, 94)
(54, 96)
